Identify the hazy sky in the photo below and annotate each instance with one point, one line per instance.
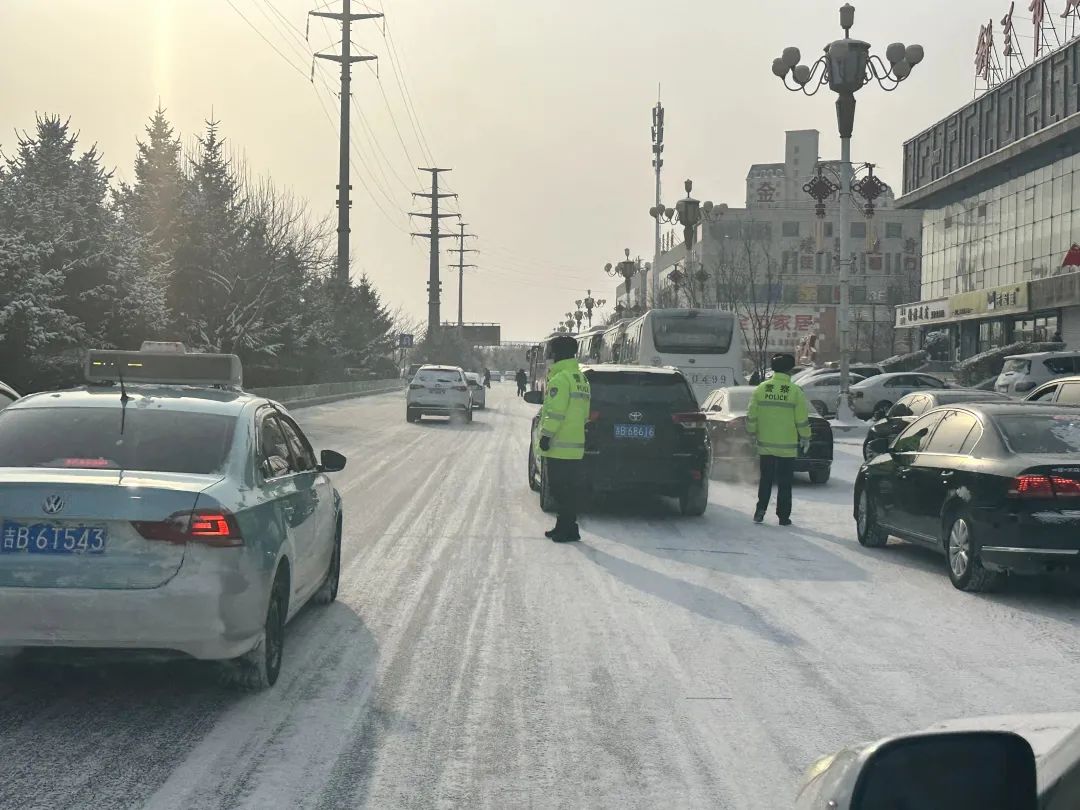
(542, 109)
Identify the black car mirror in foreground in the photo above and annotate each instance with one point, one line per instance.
(331, 461)
(954, 770)
(878, 445)
(534, 397)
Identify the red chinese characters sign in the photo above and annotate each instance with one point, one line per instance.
(785, 330)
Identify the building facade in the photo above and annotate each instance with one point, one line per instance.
(773, 258)
(998, 184)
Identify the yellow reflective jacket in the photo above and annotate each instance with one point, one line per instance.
(565, 411)
(778, 417)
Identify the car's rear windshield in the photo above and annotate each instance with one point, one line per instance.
(1017, 364)
(739, 401)
(640, 390)
(1041, 433)
(693, 332)
(152, 440)
(431, 375)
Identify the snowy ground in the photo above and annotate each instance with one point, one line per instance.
(662, 662)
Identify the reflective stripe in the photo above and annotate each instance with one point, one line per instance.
(578, 395)
(772, 404)
(778, 444)
(802, 424)
(548, 433)
(554, 415)
(569, 445)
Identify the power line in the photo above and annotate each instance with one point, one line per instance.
(263, 37)
(397, 66)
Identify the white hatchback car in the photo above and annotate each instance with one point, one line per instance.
(438, 391)
(1022, 372)
(476, 388)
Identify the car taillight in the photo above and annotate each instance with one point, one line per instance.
(209, 527)
(461, 388)
(1044, 486)
(689, 420)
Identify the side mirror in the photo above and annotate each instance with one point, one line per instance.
(959, 770)
(878, 445)
(331, 461)
(989, 770)
(534, 397)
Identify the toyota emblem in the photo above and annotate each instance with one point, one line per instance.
(53, 505)
(636, 416)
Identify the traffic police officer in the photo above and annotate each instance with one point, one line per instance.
(562, 433)
(779, 422)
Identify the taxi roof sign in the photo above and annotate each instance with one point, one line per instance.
(164, 366)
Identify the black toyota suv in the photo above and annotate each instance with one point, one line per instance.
(645, 433)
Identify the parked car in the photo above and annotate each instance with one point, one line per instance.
(410, 372)
(201, 530)
(7, 395)
(1062, 391)
(645, 434)
(993, 486)
(882, 391)
(911, 406)
(1023, 372)
(986, 385)
(477, 389)
(823, 391)
(862, 369)
(725, 416)
(438, 391)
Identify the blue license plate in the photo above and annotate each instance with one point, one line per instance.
(635, 431)
(47, 538)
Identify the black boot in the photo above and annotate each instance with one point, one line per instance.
(571, 535)
(759, 516)
(556, 531)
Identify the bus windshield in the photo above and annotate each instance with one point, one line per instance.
(693, 332)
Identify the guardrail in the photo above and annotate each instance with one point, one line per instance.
(299, 396)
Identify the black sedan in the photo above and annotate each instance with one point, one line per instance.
(911, 406)
(725, 417)
(993, 486)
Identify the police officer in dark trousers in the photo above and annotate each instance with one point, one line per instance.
(780, 424)
(562, 434)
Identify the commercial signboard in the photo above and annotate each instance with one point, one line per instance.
(923, 313)
(1056, 291)
(787, 328)
(994, 301)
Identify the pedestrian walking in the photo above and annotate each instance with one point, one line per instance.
(562, 434)
(522, 381)
(780, 424)
(487, 378)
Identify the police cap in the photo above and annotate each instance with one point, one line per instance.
(562, 348)
(782, 363)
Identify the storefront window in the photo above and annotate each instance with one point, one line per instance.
(1038, 329)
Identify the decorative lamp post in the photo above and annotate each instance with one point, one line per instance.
(591, 304)
(570, 325)
(628, 268)
(846, 66)
(579, 316)
(689, 213)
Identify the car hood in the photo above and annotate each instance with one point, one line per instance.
(1054, 738)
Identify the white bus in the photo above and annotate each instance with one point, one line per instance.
(702, 343)
(589, 343)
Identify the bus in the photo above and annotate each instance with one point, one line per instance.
(702, 343)
(589, 344)
(612, 342)
(538, 363)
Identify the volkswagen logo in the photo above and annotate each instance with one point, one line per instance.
(53, 505)
(636, 416)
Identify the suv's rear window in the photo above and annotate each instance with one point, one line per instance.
(641, 389)
(430, 375)
(696, 333)
(90, 438)
(1041, 433)
(1017, 364)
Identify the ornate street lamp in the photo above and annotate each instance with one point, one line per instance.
(846, 67)
(690, 214)
(628, 268)
(590, 304)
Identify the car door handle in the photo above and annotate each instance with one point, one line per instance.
(947, 473)
(903, 473)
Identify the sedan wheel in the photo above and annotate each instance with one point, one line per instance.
(259, 668)
(966, 570)
(869, 532)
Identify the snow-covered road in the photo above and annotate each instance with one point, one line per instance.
(661, 662)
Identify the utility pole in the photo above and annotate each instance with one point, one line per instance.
(346, 59)
(461, 250)
(434, 284)
(658, 164)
